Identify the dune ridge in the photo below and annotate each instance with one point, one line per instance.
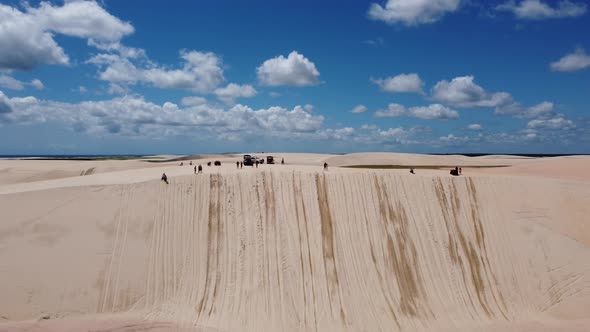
(302, 250)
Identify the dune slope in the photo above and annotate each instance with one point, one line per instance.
(367, 250)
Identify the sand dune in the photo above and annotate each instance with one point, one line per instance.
(293, 248)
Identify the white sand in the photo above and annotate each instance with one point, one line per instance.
(293, 248)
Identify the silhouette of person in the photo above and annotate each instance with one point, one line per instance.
(200, 169)
(164, 178)
(325, 166)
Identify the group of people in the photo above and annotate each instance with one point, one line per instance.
(456, 171)
(239, 164)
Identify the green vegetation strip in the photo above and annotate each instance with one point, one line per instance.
(422, 166)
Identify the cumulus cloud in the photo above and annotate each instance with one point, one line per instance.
(11, 83)
(540, 110)
(474, 126)
(393, 111)
(464, 92)
(193, 101)
(27, 37)
(134, 116)
(4, 104)
(454, 140)
(412, 12)
(201, 72)
(538, 10)
(557, 122)
(368, 127)
(294, 70)
(359, 109)
(430, 112)
(578, 60)
(37, 84)
(233, 91)
(400, 83)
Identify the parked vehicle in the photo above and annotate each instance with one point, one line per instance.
(217, 163)
(270, 160)
(249, 161)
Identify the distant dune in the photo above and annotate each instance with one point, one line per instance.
(295, 248)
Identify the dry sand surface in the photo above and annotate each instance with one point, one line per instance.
(295, 248)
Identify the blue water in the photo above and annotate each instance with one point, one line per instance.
(68, 156)
(96, 156)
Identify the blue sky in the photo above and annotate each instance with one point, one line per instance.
(141, 77)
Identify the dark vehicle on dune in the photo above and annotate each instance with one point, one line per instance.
(248, 160)
(217, 163)
(270, 160)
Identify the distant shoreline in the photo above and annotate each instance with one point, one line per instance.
(90, 157)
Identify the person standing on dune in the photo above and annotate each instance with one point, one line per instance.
(237, 164)
(164, 178)
(195, 169)
(200, 169)
(325, 166)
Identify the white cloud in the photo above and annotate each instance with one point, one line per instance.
(274, 94)
(27, 37)
(11, 83)
(82, 89)
(412, 12)
(294, 70)
(540, 110)
(308, 107)
(359, 109)
(464, 92)
(4, 104)
(124, 51)
(538, 10)
(134, 116)
(430, 112)
(572, 62)
(193, 101)
(474, 126)
(170, 107)
(393, 110)
(434, 111)
(454, 140)
(37, 84)
(201, 72)
(233, 91)
(400, 83)
(368, 127)
(557, 122)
